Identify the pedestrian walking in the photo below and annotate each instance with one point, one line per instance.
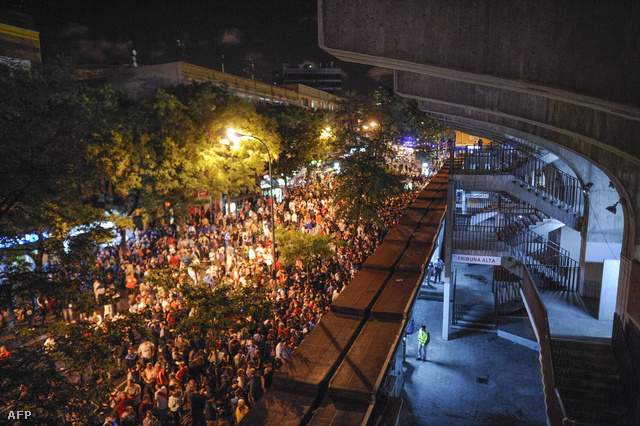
(431, 273)
(423, 341)
(439, 267)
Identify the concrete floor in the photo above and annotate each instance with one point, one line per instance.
(448, 388)
(479, 378)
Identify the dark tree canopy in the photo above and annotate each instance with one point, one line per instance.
(305, 137)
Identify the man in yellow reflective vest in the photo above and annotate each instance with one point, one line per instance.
(423, 341)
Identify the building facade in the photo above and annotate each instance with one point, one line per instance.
(144, 79)
(326, 79)
(19, 41)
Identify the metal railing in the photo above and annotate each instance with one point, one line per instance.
(509, 211)
(478, 237)
(551, 266)
(528, 170)
(556, 414)
(506, 289)
(454, 311)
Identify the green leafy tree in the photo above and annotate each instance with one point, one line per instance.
(405, 121)
(53, 131)
(363, 149)
(153, 152)
(213, 311)
(48, 127)
(68, 381)
(304, 137)
(234, 167)
(309, 249)
(31, 381)
(363, 146)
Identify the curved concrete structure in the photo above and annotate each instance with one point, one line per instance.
(559, 74)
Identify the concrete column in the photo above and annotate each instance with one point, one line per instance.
(463, 201)
(446, 311)
(448, 227)
(571, 240)
(609, 292)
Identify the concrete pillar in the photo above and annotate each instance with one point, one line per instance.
(446, 311)
(571, 240)
(463, 201)
(609, 292)
(448, 227)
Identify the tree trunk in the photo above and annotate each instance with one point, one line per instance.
(39, 260)
(123, 240)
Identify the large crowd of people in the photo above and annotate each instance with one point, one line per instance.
(172, 378)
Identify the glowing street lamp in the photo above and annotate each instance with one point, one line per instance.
(235, 138)
(326, 133)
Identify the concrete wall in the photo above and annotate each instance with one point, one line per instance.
(610, 273)
(582, 47)
(562, 74)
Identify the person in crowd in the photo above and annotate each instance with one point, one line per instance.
(128, 418)
(145, 407)
(4, 353)
(175, 403)
(241, 411)
(134, 391)
(197, 401)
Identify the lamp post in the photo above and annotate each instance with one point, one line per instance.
(235, 135)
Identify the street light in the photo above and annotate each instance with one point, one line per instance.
(235, 136)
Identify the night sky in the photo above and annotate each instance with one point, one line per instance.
(271, 32)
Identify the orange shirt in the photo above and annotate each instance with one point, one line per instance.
(131, 281)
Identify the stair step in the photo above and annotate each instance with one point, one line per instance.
(602, 396)
(586, 374)
(476, 315)
(481, 316)
(610, 385)
(594, 344)
(596, 413)
(582, 354)
(475, 320)
(584, 364)
(431, 295)
(474, 328)
(620, 407)
(476, 309)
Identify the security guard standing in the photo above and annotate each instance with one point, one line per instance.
(423, 341)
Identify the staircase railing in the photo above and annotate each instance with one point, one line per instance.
(512, 213)
(506, 289)
(556, 414)
(529, 170)
(478, 237)
(487, 202)
(455, 312)
(551, 266)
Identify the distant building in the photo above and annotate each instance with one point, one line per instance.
(465, 139)
(19, 41)
(145, 79)
(326, 79)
